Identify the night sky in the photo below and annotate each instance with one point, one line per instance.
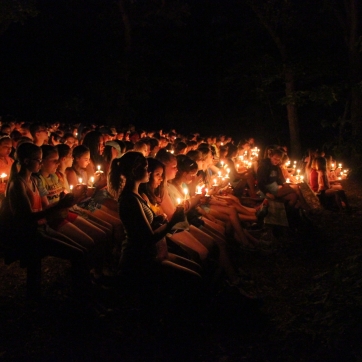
(205, 66)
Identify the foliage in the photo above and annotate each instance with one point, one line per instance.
(14, 11)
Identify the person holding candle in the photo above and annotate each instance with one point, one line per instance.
(70, 224)
(5, 160)
(155, 190)
(106, 211)
(32, 234)
(139, 265)
(65, 161)
(95, 143)
(239, 180)
(187, 170)
(271, 181)
(205, 165)
(329, 195)
(152, 192)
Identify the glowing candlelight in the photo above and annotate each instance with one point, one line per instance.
(3, 176)
(301, 178)
(92, 181)
(206, 190)
(80, 180)
(332, 166)
(294, 166)
(186, 192)
(222, 163)
(178, 201)
(71, 188)
(219, 173)
(98, 167)
(298, 171)
(287, 180)
(339, 165)
(215, 182)
(237, 166)
(199, 188)
(295, 162)
(172, 151)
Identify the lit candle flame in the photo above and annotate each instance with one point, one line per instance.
(186, 192)
(80, 180)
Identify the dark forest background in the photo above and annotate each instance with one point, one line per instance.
(202, 65)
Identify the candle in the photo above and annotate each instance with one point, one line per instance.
(294, 166)
(298, 171)
(340, 165)
(71, 188)
(80, 180)
(295, 162)
(301, 178)
(237, 166)
(206, 190)
(98, 167)
(172, 151)
(332, 166)
(185, 192)
(3, 176)
(219, 173)
(215, 182)
(222, 163)
(178, 201)
(199, 188)
(91, 181)
(287, 181)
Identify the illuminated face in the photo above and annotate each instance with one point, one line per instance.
(34, 163)
(70, 141)
(157, 177)
(42, 135)
(209, 160)
(50, 163)
(101, 145)
(84, 160)
(144, 150)
(69, 160)
(275, 160)
(5, 148)
(171, 169)
(142, 170)
(188, 177)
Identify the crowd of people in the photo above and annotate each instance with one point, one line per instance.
(149, 208)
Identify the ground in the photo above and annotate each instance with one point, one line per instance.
(310, 310)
